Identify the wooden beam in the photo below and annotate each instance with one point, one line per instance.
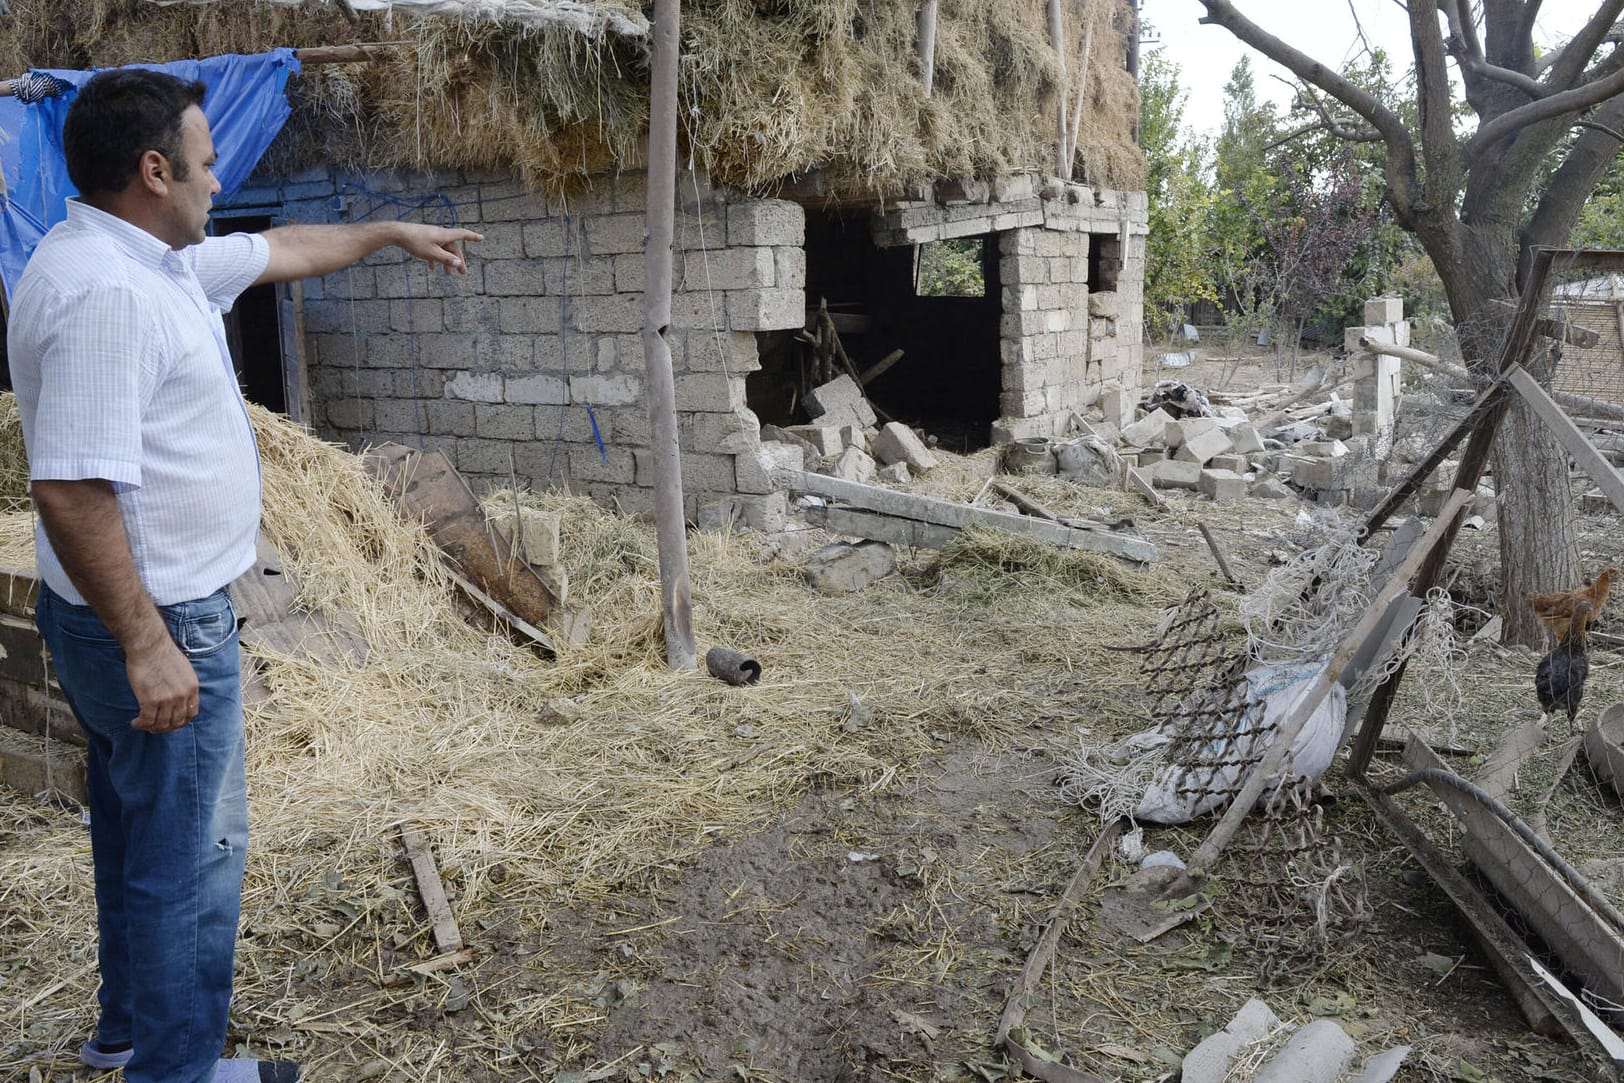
(447, 937)
(925, 509)
(1591, 461)
(927, 44)
(1218, 553)
(1589, 405)
(1267, 771)
(35, 772)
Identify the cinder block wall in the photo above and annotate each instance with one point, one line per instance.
(535, 356)
(1071, 324)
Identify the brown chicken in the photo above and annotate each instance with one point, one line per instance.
(1555, 609)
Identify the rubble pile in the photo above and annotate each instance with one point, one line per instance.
(845, 440)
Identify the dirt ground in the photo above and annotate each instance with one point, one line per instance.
(874, 932)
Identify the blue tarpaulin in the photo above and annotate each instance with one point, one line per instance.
(246, 105)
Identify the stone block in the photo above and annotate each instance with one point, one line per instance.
(1105, 305)
(715, 392)
(1007, 430)
(1148, 430)
(1203, 446)
(1323, 449)
(775, 456)
(618, 389)
(766, 512)
(843, 568)
(826, 440)
(536, 532)
(1014, 188)
(896, 443)
(731, 269)
(1270, 489)
(612, 234)
(766, 222)
(475, 387)
(1117, 404)
(504, 422)
(1222, 486)
(1150, 457)
(1178, 433)
(840, 394)
(1380, 310)
(1234, 463)
(1317, 474)
(894, 474)
(1173, 474)
(853, 464)
(1245, 439)
(538, 390)
(766, 309)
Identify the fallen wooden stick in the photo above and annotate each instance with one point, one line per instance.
(1218, 553)
(879, 368)
(1042, 954)
(447, 937)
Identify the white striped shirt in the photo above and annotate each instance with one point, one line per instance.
(120, 365)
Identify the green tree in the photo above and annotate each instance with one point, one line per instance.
(1181, 200)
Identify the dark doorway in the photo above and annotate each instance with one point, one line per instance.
(252, 329)
(948, 379)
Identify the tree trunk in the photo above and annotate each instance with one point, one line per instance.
(1539, 550)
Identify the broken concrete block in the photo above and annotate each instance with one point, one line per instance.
(767, 513)
(1148, 430)
(1202, 447)
(1209, 1061)
(825, 440)
(1318, 1052)
(1150, 457)
(843, 398)
(1270, 489)
(843, 568)
(1174, 474)
(1245, 439)
(1314, 473)
(896, 443)
(854, 435)
(894, 474)
(853, 464)
(535, 535)
(1222, 486)
(1234, 463)
(1117, 405)
(777, 456)
(1380, 310)
(1323, 449)
(1338, 426)
(1178, 433)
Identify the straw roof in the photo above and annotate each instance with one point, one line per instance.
(558, 91)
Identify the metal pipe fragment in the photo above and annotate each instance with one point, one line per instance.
(727, 664)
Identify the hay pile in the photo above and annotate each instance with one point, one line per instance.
(451, 727)
(768, 89)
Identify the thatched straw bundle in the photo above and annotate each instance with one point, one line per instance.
(769, 87)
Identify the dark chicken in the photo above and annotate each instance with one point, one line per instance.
(1560, 680)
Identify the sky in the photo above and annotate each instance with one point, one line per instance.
(1324, 29)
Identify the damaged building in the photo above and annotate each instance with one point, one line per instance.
(833, 154)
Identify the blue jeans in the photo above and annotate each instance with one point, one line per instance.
(168, 835)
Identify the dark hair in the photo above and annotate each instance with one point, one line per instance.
(118, 116)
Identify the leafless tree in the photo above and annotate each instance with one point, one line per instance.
(1473, 202)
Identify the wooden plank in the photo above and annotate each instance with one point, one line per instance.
(1506, 952)
(1267, 771)
(504, 614)
(1589, 946)
(427, 486)
(885, 528)
(39, 711)
(1567, 434)
(62, 771)
(264, 598)
(19, 591)
(447, 937)
(290, 324)
(1218, 553)
(925, 509)
(22, 651)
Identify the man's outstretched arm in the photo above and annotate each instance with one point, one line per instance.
(305, 251)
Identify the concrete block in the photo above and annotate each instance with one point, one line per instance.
(1317, 1052)
(1202, 447)
(1323, 449)
(854, 464)
(536, 532)
(1245, 439)
(895, 474)
(766, 222)
(1173, 474)
(1178, 432)
(1270, 489)
(539, 390)
(1317, 474)
(1235, 463)
(732, 433)
(475, 387)
(775, 456)
(1106, 305)
(1007, 430)
(1380, 310)
(896, 443)
(1148, 430)
(612, 234)
(840, 396)
(617, 389)
(1117, 404)
(825, 440)
(1150, 457)
(1222, 486)
(766, 309)
(843, 568)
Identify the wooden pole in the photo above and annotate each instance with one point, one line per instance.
(670, 526)
(1057, 35)
(1590, 407)
(1082, 100)
(927, 44)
